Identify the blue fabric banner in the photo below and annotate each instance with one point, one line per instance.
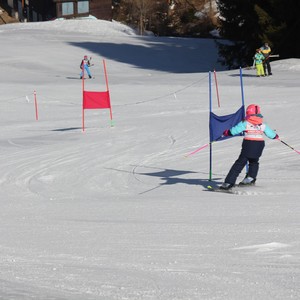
(218, 124)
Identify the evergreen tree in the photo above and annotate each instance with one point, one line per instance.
(250, 23)
(284, 33)
(239, 23)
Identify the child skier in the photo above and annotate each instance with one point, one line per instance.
(252, 146)
(259, 59)
(85, 63)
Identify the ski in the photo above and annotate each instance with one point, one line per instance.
(85, 78)
(218, 190)
(236, 190)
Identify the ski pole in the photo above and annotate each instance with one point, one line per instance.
(204, 146)
(197, 150)
(289, 146)
(91, 60)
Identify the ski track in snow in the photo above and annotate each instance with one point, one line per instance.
(269, 247)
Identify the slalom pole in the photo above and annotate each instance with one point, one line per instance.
(289, 146)
(107, 89)
(210, 111)
(243, 103)
(217, 89)
(36, 107)
(83, 98)
(242, 86)
(105, 74)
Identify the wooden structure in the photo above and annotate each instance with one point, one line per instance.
(45, 10)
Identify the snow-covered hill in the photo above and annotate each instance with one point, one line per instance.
(119, 212)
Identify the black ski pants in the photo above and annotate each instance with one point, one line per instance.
(239, 165)
(251, 152)
(267, 67)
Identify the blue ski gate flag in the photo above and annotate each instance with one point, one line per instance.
(217, 124)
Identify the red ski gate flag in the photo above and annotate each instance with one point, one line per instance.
(96, 100)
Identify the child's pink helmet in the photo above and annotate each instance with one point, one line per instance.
(85, 57)
(252, 109)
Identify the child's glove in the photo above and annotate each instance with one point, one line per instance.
(227, 133)
(276, 137)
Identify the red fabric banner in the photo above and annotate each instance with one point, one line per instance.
(96, 100)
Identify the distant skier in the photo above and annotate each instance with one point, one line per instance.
(85, 63)
(258, 59)
(266, 51)
(252, 147)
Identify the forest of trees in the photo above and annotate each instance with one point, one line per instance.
(167, 17)
(247, 24)
(250, 23)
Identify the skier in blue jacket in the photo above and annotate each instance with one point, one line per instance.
(252, 147)
(259, 63)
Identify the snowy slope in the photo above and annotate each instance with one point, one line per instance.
(119, 212)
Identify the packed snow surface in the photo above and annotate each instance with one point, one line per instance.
(119, 212)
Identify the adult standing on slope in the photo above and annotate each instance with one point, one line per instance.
(252, 146)
(266, 51)
(85, 64)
